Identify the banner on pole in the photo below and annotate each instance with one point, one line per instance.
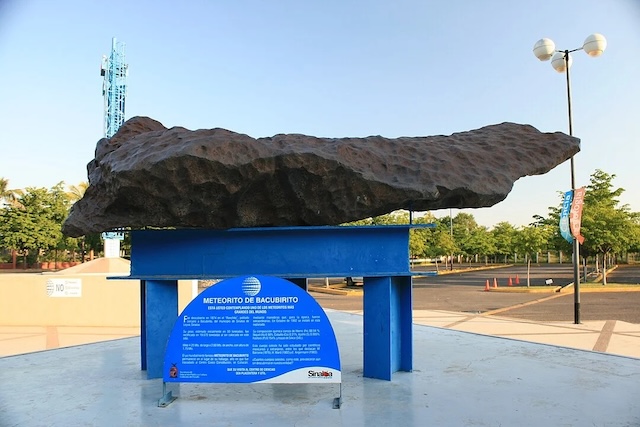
(575, 217)
(564, 216)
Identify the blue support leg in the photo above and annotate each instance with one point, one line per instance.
(161, 297)
(404, 303)
(143, 325)
(388, 343)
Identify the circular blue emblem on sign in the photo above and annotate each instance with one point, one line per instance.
(251, 286)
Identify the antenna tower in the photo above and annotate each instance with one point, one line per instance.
(114, 91)
(114, 87)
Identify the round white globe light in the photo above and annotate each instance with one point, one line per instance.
(543, 49)
(595, 44)
(558, 63)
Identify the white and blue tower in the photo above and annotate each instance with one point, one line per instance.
(114, 90)
(114, 87)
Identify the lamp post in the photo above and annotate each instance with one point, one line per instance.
(561, 61)
(451, 231)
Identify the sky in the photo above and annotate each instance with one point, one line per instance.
(330, 68)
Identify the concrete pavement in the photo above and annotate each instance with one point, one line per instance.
(469, 369)
(611, 336)
(28, 339)
(458, 379)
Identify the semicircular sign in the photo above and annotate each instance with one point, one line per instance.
(252, 329)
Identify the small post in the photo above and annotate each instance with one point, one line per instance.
(167, 397)
(337, 402)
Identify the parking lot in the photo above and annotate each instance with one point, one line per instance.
(465, 292)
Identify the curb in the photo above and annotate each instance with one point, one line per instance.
(466, 270)
(525, 290)
(564, 289)
(322, 290)
(606, 288)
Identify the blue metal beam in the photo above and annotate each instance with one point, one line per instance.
(277, 251)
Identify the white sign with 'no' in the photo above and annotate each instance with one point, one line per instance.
(64, 288)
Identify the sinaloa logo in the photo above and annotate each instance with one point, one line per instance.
(320, 374)
(251, 286)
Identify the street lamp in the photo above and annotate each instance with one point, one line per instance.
(561, 61)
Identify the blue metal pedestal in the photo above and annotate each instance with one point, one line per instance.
(161, 308)
(387, 326)
(379, 254)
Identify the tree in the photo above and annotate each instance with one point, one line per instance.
(530, 240)
(503, 237)
(607, 227)
(91, 242)
(76, 192)
(556, 241)
(34, 223)
(417, 236)
(4, 189)
(481, 242)
(6, 195)
(635, 232)
(464, 225)
(444, 244)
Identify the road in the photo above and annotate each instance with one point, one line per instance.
(464, 292)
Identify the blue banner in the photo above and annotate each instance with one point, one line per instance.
(564, 216)
(253, 329)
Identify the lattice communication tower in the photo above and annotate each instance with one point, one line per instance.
(114, 87)
(114, 91)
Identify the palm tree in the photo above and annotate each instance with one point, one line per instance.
(4, 189)
(76, 192)
(9, 197)
(6, 195)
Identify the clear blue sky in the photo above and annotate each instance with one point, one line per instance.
(326, 68)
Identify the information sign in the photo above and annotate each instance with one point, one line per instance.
(252, 329)
(112, 235)
(64, 288)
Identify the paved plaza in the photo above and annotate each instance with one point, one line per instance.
(459, 379)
